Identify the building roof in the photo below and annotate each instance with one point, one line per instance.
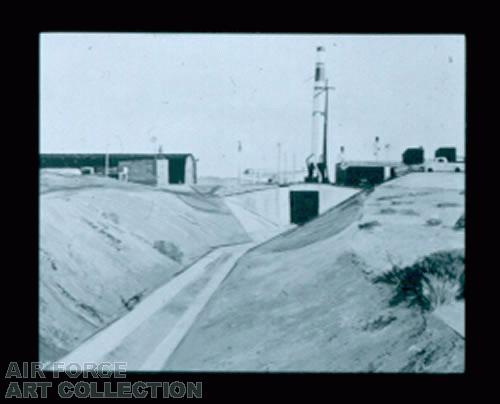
(98, 159)
(372, 163)
(119, 155)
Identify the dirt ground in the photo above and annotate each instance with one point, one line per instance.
(306, 301)
(416, 215)
(105, 245)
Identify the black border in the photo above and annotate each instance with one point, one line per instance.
(20, 336)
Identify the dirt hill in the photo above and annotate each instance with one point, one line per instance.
(104, 245)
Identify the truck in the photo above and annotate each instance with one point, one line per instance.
(442, 164)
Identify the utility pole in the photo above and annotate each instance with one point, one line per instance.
(153, 140)
(106, 162)
(326, 177)
(239, 162)
(376, 148)
(285, 174)
(279, 162)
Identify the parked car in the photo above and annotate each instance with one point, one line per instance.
(442, 164)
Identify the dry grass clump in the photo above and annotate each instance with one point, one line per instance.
(460, 224)
(435, 280)
(169, 249)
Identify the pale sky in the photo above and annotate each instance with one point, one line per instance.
(202, 93)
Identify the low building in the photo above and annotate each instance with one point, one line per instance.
(357, 173)
(161, 170)
(149, 169)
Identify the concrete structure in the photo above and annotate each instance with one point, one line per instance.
(265, 209)
(355, 173)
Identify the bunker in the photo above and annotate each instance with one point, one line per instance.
(270, 210)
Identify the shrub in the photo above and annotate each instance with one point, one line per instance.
(433, 222)
(448, 205)
(461, 291)
(133, 301)
(387, 211)
(460, 224)
(432, 281)
(169, 249)
(369, 225)
(409, 212)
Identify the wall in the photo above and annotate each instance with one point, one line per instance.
(162, 167)
(190, 170)
(387, 173)
(141, 171)
(273, 205)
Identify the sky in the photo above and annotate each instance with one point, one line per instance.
(204, 93)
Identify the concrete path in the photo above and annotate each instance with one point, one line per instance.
(166, 347)
(98, 348)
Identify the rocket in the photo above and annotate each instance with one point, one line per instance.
(318, 155)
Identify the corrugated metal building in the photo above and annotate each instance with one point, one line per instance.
(150, 169)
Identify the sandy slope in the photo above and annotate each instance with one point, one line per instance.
(98, 255)
(306, 301)
(144, 337)
(403, 208)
